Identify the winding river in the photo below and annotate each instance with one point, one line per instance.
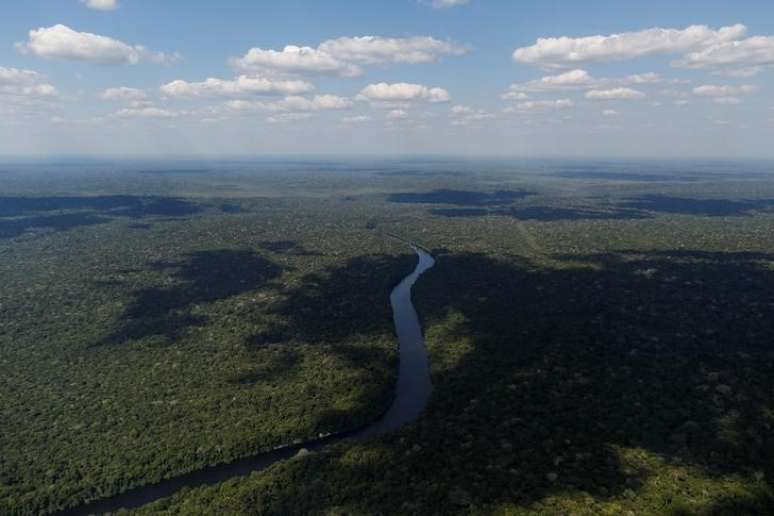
(411, 396)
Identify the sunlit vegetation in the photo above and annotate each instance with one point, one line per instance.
(600, 336)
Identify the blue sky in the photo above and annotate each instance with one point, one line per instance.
(126, 77)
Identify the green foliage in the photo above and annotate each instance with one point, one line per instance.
(598, 346)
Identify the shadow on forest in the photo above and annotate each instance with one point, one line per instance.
(139, 226)
(632, 208)
(459, 197)
(203, 277)
(461, 212)
(347, 311)
(549, 214)
(109, 205)
(21, 214)
(232, 208)
(287, 247)
(417, 173)
(340, 302)
(623, 176)
(702, 207)
(541, 372)
(276, 368)
(544, 213)
(175, 171)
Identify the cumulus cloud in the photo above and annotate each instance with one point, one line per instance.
(287, 117)
(17, 76)
(62, 42)
(28, 101)
(746, 56)
(713, 90)
(294, 60)
(148, 112)
(540, 105)
(461, 110)
(727, 100)
(39, 90)
(445, 4)
(124, 93)
(397, 114)
(371, 50)
(20, 88)
(576, 80)
(345, 56)
(751, 71)
(643, 78)
(317, 103)
(514, 94)
(572, 79)
(293, 104)
(359, 119)
(402, 92)
(464, 115)
(101, 5)
(615, 94)
(241, 86)
(566, 52)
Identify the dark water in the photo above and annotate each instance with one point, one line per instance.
(411, 396)
(414, 387)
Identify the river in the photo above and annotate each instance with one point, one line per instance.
(411, 396)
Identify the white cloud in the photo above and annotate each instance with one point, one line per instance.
(576, 80)
(148, 112)
(62, 42)
(317, 103)
(402, 92)
(293, 104)
(397, 114)
(615, 94)
(241, 86)
(747, 55)
(537, 105)
(40, 90)
(101, 5)
(345, 56)
(359, 119)
(287, 117)
(712, 90)
(566, 51)
(445, 4)
(514, 94)
(461, 110)
(727, 100)
(567, 80)
(464, 115)
(24, 90)
(610, 112)
(124, 93)
(372, 50)
(294, 60)
(17, 76)
(752, 71)
(643, 78)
